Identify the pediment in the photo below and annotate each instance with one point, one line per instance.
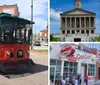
(78, 12)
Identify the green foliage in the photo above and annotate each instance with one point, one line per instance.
(98, 39)
(51, 37)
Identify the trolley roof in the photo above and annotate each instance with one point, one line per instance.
(15, 18)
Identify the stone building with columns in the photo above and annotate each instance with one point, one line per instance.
(78, 25)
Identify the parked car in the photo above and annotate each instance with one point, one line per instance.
(45, 44)
(37, 43)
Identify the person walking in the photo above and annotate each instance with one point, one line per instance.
(86, 79)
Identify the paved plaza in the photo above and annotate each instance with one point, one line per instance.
(37, 76)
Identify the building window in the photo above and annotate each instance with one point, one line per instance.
(91, 70)
(73, 31)
(63, 31)
(77, 31)
(68, 31)
(55, 65)
(52, 62)
(92, 31)
(87, 31)
(82, 31)
(69, 69)
(58, 69)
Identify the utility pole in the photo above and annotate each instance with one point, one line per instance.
(32, 24)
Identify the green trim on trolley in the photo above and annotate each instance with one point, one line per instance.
(15, 18)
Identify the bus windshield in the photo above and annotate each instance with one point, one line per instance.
(15, 34)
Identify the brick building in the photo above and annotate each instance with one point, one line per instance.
(10, 9)
(43, 35)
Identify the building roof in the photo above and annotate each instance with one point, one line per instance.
(8, 5)
(9, 16)
(77, 9)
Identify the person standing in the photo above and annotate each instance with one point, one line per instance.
(63, 81)
(76, 81)
(60, 81)
(86, 79)
(79, 79)
(52, 83)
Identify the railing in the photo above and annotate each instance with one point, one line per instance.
(73, 35)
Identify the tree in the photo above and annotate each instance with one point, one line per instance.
(51, 37)
(98, 39)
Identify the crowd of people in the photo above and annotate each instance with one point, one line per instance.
(72, 80)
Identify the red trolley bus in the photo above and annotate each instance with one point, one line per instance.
(15, 37)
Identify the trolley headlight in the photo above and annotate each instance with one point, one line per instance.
(8, 53)
(20, 53)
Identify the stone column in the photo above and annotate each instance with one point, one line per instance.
(60, 21)
(90, 31)
(84, 22)
(70, 22)
(80, 22)
(84, 31)
(66, 22)
(89, 22)
(94, 22)
(75, 22)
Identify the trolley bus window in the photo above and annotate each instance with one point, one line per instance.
(15, 34)
(7, 34)
(28, 33)
(20, 36)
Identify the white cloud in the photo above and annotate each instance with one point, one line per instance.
(54, 14)
(40, 10)
(40, 7)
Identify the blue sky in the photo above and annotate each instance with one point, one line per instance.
(40, 11)
(93, 45)
(59, 6)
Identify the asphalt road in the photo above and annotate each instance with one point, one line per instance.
(37, 75)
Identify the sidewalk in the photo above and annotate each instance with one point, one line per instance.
(92, 83)
(33, 52)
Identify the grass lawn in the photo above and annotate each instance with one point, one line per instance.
(42, 50)
(55, 39)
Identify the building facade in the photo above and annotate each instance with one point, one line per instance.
(43, 35)
(78, 25)
(79, 62)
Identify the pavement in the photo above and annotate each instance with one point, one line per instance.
(38, 75)
(92, 83)
(40, 47)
